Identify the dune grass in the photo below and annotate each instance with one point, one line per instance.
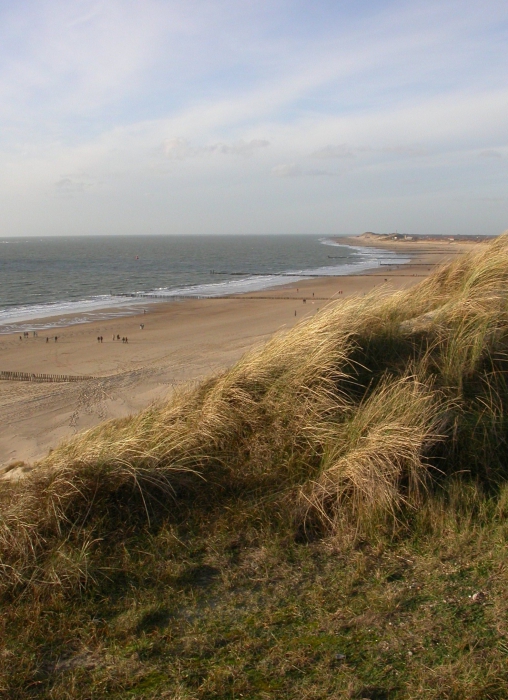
(331, 490)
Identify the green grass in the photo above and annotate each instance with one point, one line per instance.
(327, 519)
(243, 615)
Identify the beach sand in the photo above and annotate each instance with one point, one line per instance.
(181, 342)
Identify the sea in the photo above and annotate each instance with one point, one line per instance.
(58, 281)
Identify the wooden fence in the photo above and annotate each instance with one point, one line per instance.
(31, 377)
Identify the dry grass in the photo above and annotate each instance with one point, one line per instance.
(374, 462)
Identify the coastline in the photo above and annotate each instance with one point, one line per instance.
(49, 315)
(181, 342)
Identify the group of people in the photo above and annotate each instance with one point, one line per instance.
(26, 334)
(100, 338)
(124, 339)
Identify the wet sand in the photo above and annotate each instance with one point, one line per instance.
(181, 342)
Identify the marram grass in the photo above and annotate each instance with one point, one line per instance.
(348, 421)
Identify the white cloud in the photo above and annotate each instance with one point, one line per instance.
(240, 148)
(410, 151)
(68, 186)
(287, 170)
(177, 149)
(294, 170)
(321, 173)
(180, 148)
(341, 151)
(75, 58)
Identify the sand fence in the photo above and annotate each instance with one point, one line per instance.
(32, 377)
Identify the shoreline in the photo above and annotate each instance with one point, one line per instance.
(131, 304)
(180, 343)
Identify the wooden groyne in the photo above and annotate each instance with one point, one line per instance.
(230, 273)
(32, 377)
(241, 295)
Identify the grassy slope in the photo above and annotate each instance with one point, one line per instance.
(326, 519)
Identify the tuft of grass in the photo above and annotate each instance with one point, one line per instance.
(375, 461)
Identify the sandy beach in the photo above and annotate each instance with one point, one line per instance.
(181, 342)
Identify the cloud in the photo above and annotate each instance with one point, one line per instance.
(294, 170)
(411, 151)
(68, 186)
(240, 148)
(177, 149)
(341, 151)
(287, 170)
(490, 154)
(320, 173)
(180, 148)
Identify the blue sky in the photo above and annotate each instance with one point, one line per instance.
(274, 116)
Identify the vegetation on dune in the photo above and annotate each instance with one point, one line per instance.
(363, 449)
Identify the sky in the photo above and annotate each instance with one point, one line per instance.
(262, 117)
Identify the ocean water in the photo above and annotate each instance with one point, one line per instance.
(92, 277)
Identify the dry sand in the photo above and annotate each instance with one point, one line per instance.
(181, 342)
